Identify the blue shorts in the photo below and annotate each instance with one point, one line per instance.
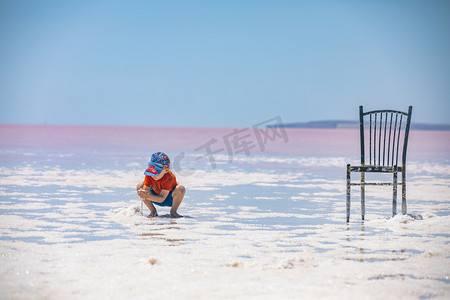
(167, 202)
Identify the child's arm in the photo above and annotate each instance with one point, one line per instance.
(145, 194)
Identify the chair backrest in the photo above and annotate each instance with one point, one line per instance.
(384, 136)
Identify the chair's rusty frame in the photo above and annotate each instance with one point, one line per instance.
(385, 138)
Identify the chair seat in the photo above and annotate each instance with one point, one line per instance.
(378, 169)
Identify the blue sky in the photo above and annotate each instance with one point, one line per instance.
(221, 63)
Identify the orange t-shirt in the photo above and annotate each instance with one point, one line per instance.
(167, 182)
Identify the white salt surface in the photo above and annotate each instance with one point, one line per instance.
(249, 233)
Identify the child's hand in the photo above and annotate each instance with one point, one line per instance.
(143, 193)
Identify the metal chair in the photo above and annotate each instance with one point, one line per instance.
(387, 134)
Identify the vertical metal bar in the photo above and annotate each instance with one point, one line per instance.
(389, 143)
(379, 139)
(405, 145)
(394, 135)
(363, 196)
(404, 191)
(370, 140)
(384, 141)
(361, 133)
(375, 141)
(348, 193)
(398, 139)
(394, 196)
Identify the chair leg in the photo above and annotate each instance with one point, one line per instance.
(348, 193)
(403, 192)
(363, 195)
(394, 196)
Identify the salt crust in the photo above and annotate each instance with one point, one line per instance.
(341, 260)
(221, 251)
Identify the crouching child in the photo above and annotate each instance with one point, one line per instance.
(160, 186)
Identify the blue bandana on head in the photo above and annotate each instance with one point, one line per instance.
(156, 164)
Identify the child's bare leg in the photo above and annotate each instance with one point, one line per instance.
(149, 204)
(177, 195)
(151, 207)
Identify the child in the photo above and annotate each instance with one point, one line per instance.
(160, 186)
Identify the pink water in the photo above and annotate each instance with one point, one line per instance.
(423, 145)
